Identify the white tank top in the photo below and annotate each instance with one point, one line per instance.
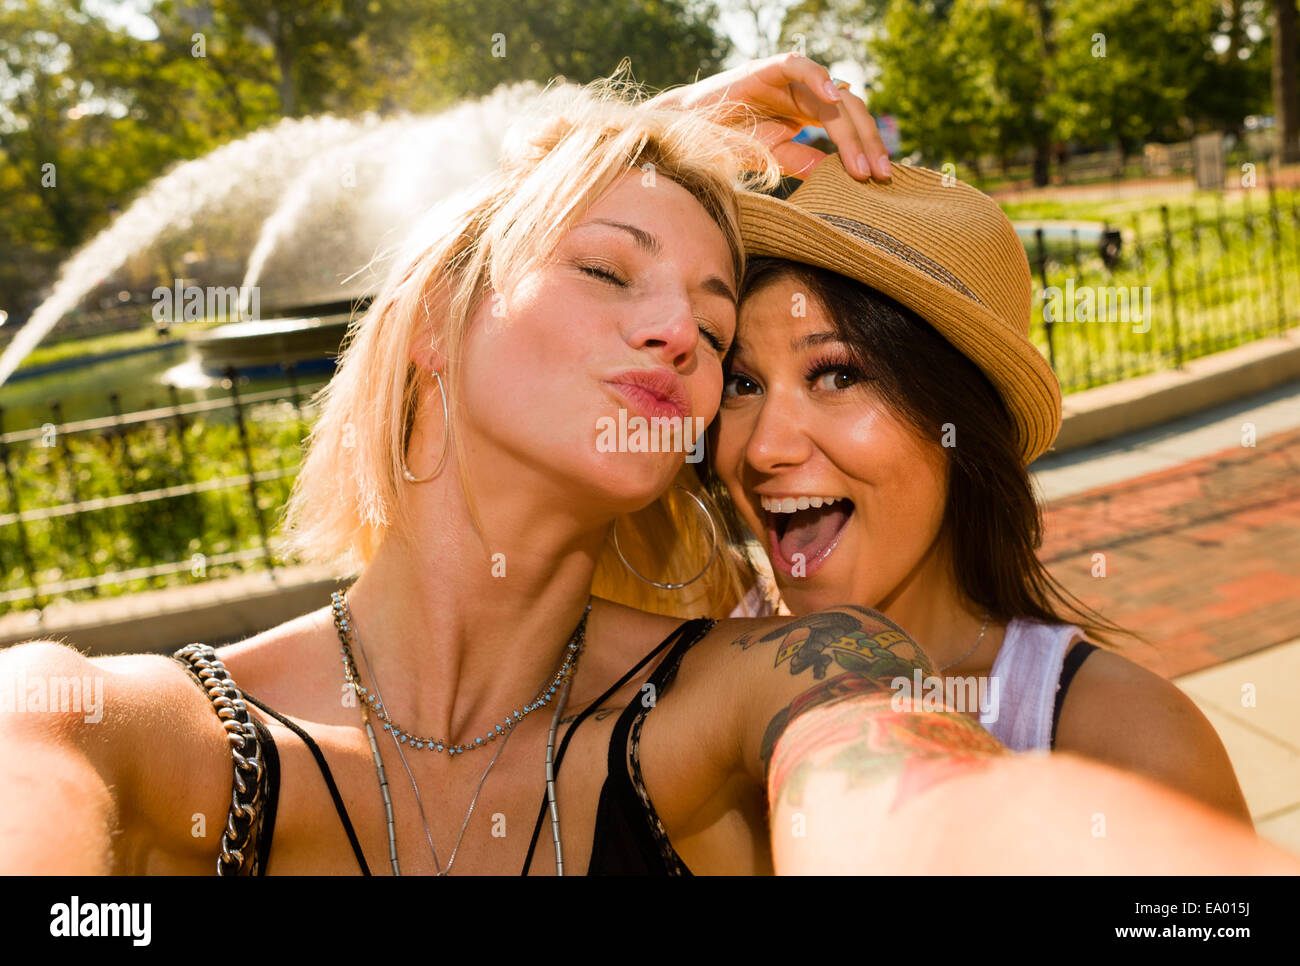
(1027, 671)
(1028, 674)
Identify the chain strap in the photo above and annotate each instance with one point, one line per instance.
(238, 853)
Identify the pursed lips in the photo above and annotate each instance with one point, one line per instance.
(656, 392)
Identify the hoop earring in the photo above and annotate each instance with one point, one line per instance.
(446, 435)
(713, 550)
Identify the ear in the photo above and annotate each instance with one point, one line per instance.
(426, 349)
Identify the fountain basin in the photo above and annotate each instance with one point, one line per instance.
(266, 347)
(1060, 238)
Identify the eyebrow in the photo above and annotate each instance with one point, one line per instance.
(651, 244)
(814, 339)
(643, 238)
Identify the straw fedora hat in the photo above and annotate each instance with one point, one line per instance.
(944, 250)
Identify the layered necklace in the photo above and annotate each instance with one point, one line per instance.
(556, 689)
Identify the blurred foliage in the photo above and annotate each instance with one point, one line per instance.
(90, 113)
(966, 78)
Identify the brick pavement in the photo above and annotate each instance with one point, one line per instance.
(1202, 559)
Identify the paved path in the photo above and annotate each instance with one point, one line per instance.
(1202, 558)
(1200, 540)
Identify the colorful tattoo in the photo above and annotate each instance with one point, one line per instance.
(858, 728)
(876, 646)
(867, 741)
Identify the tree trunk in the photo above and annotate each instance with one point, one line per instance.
(1286, 85)
(285, 88)
(1047, 53)
(282, 45)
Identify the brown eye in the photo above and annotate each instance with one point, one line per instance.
(739, 384)
(834, 375)
(837, 379)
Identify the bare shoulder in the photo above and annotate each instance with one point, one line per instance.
(763, 672)
(1118, 712)
(143, 725)
(82, 697)
(287, 665)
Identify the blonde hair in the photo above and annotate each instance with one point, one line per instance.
(349, 492)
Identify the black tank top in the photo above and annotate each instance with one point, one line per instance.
(629, 839)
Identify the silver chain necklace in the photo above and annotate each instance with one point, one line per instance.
(343, 623)
(973, 648)
(419, 800)
(346, 627)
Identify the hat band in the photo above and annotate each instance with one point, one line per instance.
(901, 250)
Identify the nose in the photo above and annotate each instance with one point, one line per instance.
(669, 331)
(777, 440)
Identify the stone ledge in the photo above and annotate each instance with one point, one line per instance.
(215, 612)
(1103, 413)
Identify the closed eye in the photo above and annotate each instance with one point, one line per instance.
(713, 339)
(604, 274)
(613, 278)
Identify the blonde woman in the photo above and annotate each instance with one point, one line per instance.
(414, 725)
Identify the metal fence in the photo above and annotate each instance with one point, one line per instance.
(1217, 273)
(193, 490)
(146, 499)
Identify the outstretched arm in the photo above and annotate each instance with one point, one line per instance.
(114, 780)
(860, 779)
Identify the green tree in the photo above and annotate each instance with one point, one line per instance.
(91, 113)
(833, 30)
(1125, 69)
(499, 41)
(1001, 46)
(927, 81)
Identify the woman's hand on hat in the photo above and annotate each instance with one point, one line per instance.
(791, 92)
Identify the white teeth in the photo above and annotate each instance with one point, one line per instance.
(790, 504)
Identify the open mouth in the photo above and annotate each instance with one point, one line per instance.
(803, 531)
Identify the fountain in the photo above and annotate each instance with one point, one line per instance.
(325, 202)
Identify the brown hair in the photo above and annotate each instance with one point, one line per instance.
(992, 520)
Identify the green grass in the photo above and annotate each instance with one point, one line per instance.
(1225, 291)
(145, 335)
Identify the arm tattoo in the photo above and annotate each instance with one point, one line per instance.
(819, 640)
(867, 741)
(857, 710)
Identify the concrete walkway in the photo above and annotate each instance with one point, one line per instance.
(1252, 704)
(1190, 536)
